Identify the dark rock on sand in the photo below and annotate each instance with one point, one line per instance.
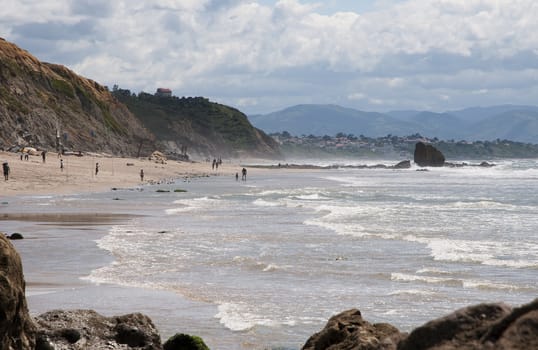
(349, 330)
(86, 329)
(185, 342)
(427, 155)
(17, 331)
(15, 235)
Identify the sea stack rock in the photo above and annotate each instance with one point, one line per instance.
(427, 155)
(17, 331)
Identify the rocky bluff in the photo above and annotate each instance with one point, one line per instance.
(48, 106)
(479, 327)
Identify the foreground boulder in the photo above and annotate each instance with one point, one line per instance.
(427, 155)
(462, 329)
(348, 330)
(480, 327)
(86, 329)
(16, 327)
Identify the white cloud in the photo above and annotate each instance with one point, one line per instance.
(402, 54)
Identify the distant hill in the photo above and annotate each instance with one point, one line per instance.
(512, 122)
(329, 120)
(206, 128)
(39, 100)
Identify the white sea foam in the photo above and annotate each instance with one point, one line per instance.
(240, 317)
(271, 267)
(420, 292)
(454, 281)
(404, 277)
(265, 203)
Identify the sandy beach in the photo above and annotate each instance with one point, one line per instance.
(35, 177)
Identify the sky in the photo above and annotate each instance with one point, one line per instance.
(266, 55)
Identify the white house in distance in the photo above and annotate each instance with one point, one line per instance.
(163, 92)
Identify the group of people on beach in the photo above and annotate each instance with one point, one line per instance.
(216, 163)
(243, 175)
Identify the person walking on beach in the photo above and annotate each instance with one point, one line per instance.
(44, 155)
(61, 164)
(141, 174)
(244, 174)
(96, 168)
(236, 176)
(5, 168)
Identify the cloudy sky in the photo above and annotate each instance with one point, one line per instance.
(261, 56)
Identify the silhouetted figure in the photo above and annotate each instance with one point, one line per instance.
(141, 174)
(61, 165)
(5, 168)
(44, 155)
(96, 168)
(244, 174)
(236, 176)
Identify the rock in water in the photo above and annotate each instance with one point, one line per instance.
(348, 331)
(427, 155)
(17, 331)
(404, 164)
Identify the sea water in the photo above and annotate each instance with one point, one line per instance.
(263, 263)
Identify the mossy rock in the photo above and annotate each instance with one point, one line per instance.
(180, 190)
(182, 341)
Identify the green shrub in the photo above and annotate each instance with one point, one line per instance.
(63, 87)
(185, 342)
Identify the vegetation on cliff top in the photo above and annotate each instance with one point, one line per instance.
(206, 127)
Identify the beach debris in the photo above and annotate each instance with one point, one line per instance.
(162, 191)
(179, 190)
(32, 151)
(158, 157)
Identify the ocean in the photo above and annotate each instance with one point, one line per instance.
(264, 263)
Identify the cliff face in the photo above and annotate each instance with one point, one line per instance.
(40, 101)
(49, 107)
(203, 127)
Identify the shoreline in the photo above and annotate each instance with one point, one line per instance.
(35, 177)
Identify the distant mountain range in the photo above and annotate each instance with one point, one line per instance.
(510, 122)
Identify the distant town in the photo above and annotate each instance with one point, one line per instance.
(398, 147)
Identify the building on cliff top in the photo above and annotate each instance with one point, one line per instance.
(163, 92)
